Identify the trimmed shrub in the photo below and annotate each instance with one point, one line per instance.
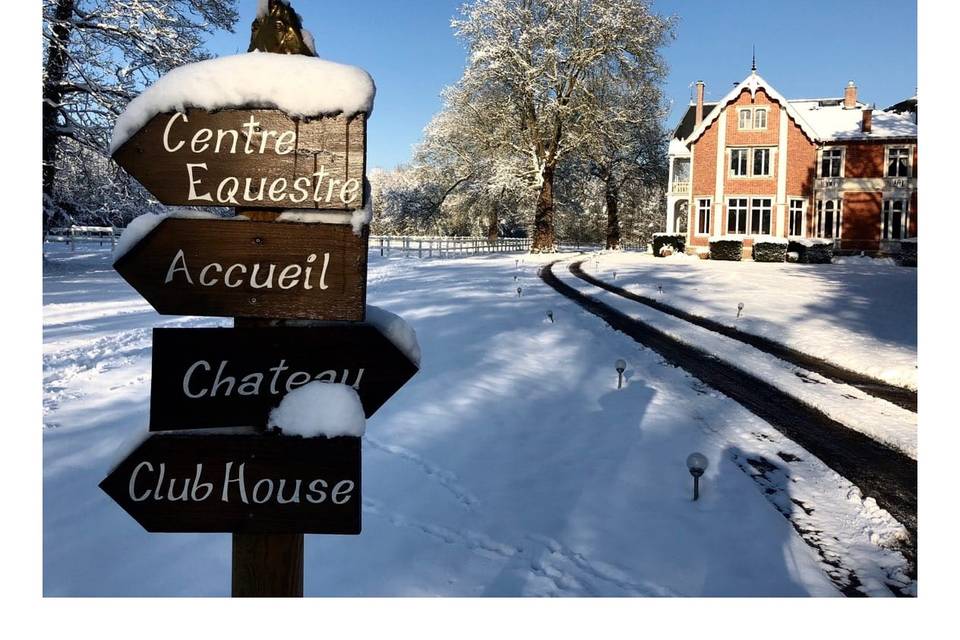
(812, 250)
(677, 241)
(908, 252)
(769, 250)
(703, 253)
(793, 256)
(725, 249)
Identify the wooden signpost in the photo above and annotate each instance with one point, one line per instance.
(205, 378)
(241, 483)
(267, 489)
(249, 158)
(250, 269)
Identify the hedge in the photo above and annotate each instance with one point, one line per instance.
(908, 253)
(812, 251)
(769, 251)
(675, 240)
(726, 250)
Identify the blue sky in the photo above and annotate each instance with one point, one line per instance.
(805, 49)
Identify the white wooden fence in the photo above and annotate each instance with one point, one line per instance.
(83, 233)
(445, 247)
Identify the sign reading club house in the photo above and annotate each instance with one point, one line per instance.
(212, 378)
(250, 158)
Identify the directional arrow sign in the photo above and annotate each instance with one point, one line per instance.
(249, 158)
(241, 484)
(206, 378)
(242, 268)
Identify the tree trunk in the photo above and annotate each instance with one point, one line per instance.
(613, 219)
(544, 238)
(56, 70)
(493, 230)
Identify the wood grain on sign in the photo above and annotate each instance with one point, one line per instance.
(241, 483)
(250, 158)
(250, 269)
(215, 378)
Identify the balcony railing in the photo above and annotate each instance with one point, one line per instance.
(680, 187)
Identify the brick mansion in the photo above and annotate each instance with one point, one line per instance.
(758, 164)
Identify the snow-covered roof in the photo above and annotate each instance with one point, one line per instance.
(837, 123)
(300, 86)
(752, 83)
(821, 119)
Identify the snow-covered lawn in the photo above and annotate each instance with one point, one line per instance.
(861, 315)
(510, 465)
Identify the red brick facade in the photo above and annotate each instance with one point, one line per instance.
(865, 206)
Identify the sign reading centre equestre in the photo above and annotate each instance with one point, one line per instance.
(250, 158)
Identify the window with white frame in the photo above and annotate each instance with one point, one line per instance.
(761, 162)
(831, 163)
(828, 220)
(748, 162)
(760, 118)
(737, 216)
(898, 162)
(796, 217)
(746, 119)
(894, 220)
(703, 216)
(739, 162)
(760, 216)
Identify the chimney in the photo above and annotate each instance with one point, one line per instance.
(850, 96)
(699, 102)
(867, 124)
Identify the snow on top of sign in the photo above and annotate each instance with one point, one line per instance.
(300, 86)
(141, 226)
(396, 330)
(358, 217)
(813, 242)
(320, 409)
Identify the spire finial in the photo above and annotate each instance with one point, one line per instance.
(753, 68)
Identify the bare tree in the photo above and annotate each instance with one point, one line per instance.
(99, 55)
(525, 81)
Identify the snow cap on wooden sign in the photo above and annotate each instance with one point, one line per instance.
(257, 130)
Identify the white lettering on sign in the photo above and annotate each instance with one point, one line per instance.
(319, 186)
(261, 277)
(238, 484)
(199, 383)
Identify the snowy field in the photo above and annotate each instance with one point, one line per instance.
(861, 314)
(510, 465)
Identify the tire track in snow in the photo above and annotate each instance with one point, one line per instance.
(446, 479)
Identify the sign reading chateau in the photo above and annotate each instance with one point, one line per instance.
(250, 269)
(241, 484)
(214, 378)
(249, 158)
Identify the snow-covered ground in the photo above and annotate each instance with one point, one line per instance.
(861, 314)
(510, 465)
(879, 419)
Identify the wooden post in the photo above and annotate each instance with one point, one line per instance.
(265, 565)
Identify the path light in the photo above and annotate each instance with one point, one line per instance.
(519, 291)
(660, 289)
(614, 275)
(697, 463)
(514, 277)
(621, 366)
(739, 310)
(550, 315)
(518, 263)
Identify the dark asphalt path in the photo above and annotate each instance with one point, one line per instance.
(888, 476)
(899, 396)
